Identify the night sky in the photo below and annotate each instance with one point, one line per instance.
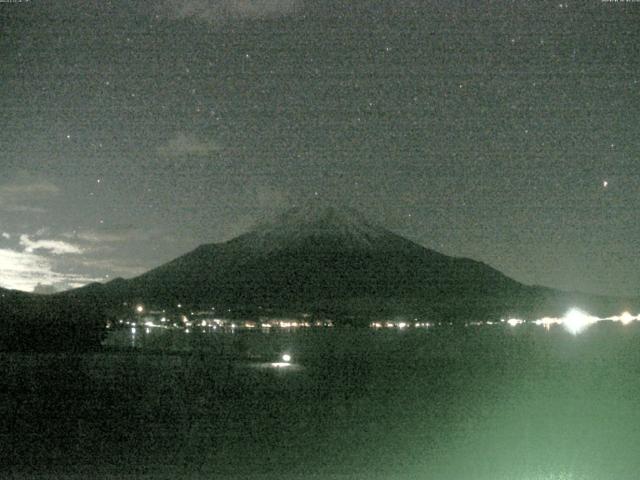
(504, 131)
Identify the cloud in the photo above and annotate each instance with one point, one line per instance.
(39, 259)
(25, 189)
(57, 247)
(116, 268)
(38, 187)
(23, 209)
(114, 234)
(25, 270)
(266, 201)
(6, 235)
(187, 144)
(220, 11)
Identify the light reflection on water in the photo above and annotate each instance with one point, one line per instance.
(521, 402)
(281, 366)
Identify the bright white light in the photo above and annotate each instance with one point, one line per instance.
(139, 309)
(280, 364)
(546, 322)
(514, 321)
(286, 358)
(626, 318)
(575, 321)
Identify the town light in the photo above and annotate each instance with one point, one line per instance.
(626, 318)
(575, 321)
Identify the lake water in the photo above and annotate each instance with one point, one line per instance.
(491, 402)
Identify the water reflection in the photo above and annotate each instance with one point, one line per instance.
(501, 402)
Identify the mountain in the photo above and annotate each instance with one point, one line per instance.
(335, 262)
(32, 322)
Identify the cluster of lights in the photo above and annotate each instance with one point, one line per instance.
(146, 318)
(295, 324)
(400, 325)
(575, 320)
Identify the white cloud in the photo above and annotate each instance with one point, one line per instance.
(20, 193)
(30, 187)
(184, 144)
(25, 270)
(101, 237)
(23, 209)
(108, 235)
(57, 247)
(217, 11)
(62, 264)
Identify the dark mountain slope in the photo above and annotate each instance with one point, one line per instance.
(336, 262)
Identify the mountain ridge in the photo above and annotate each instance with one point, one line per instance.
(334, 261)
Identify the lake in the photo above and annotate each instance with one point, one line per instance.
(482, 402)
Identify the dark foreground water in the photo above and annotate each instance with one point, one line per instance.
(475, 403)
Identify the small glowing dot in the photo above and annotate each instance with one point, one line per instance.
(286, 358)
(605, 184)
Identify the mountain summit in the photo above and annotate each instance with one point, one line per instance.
(319, 222)
(331, 261)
